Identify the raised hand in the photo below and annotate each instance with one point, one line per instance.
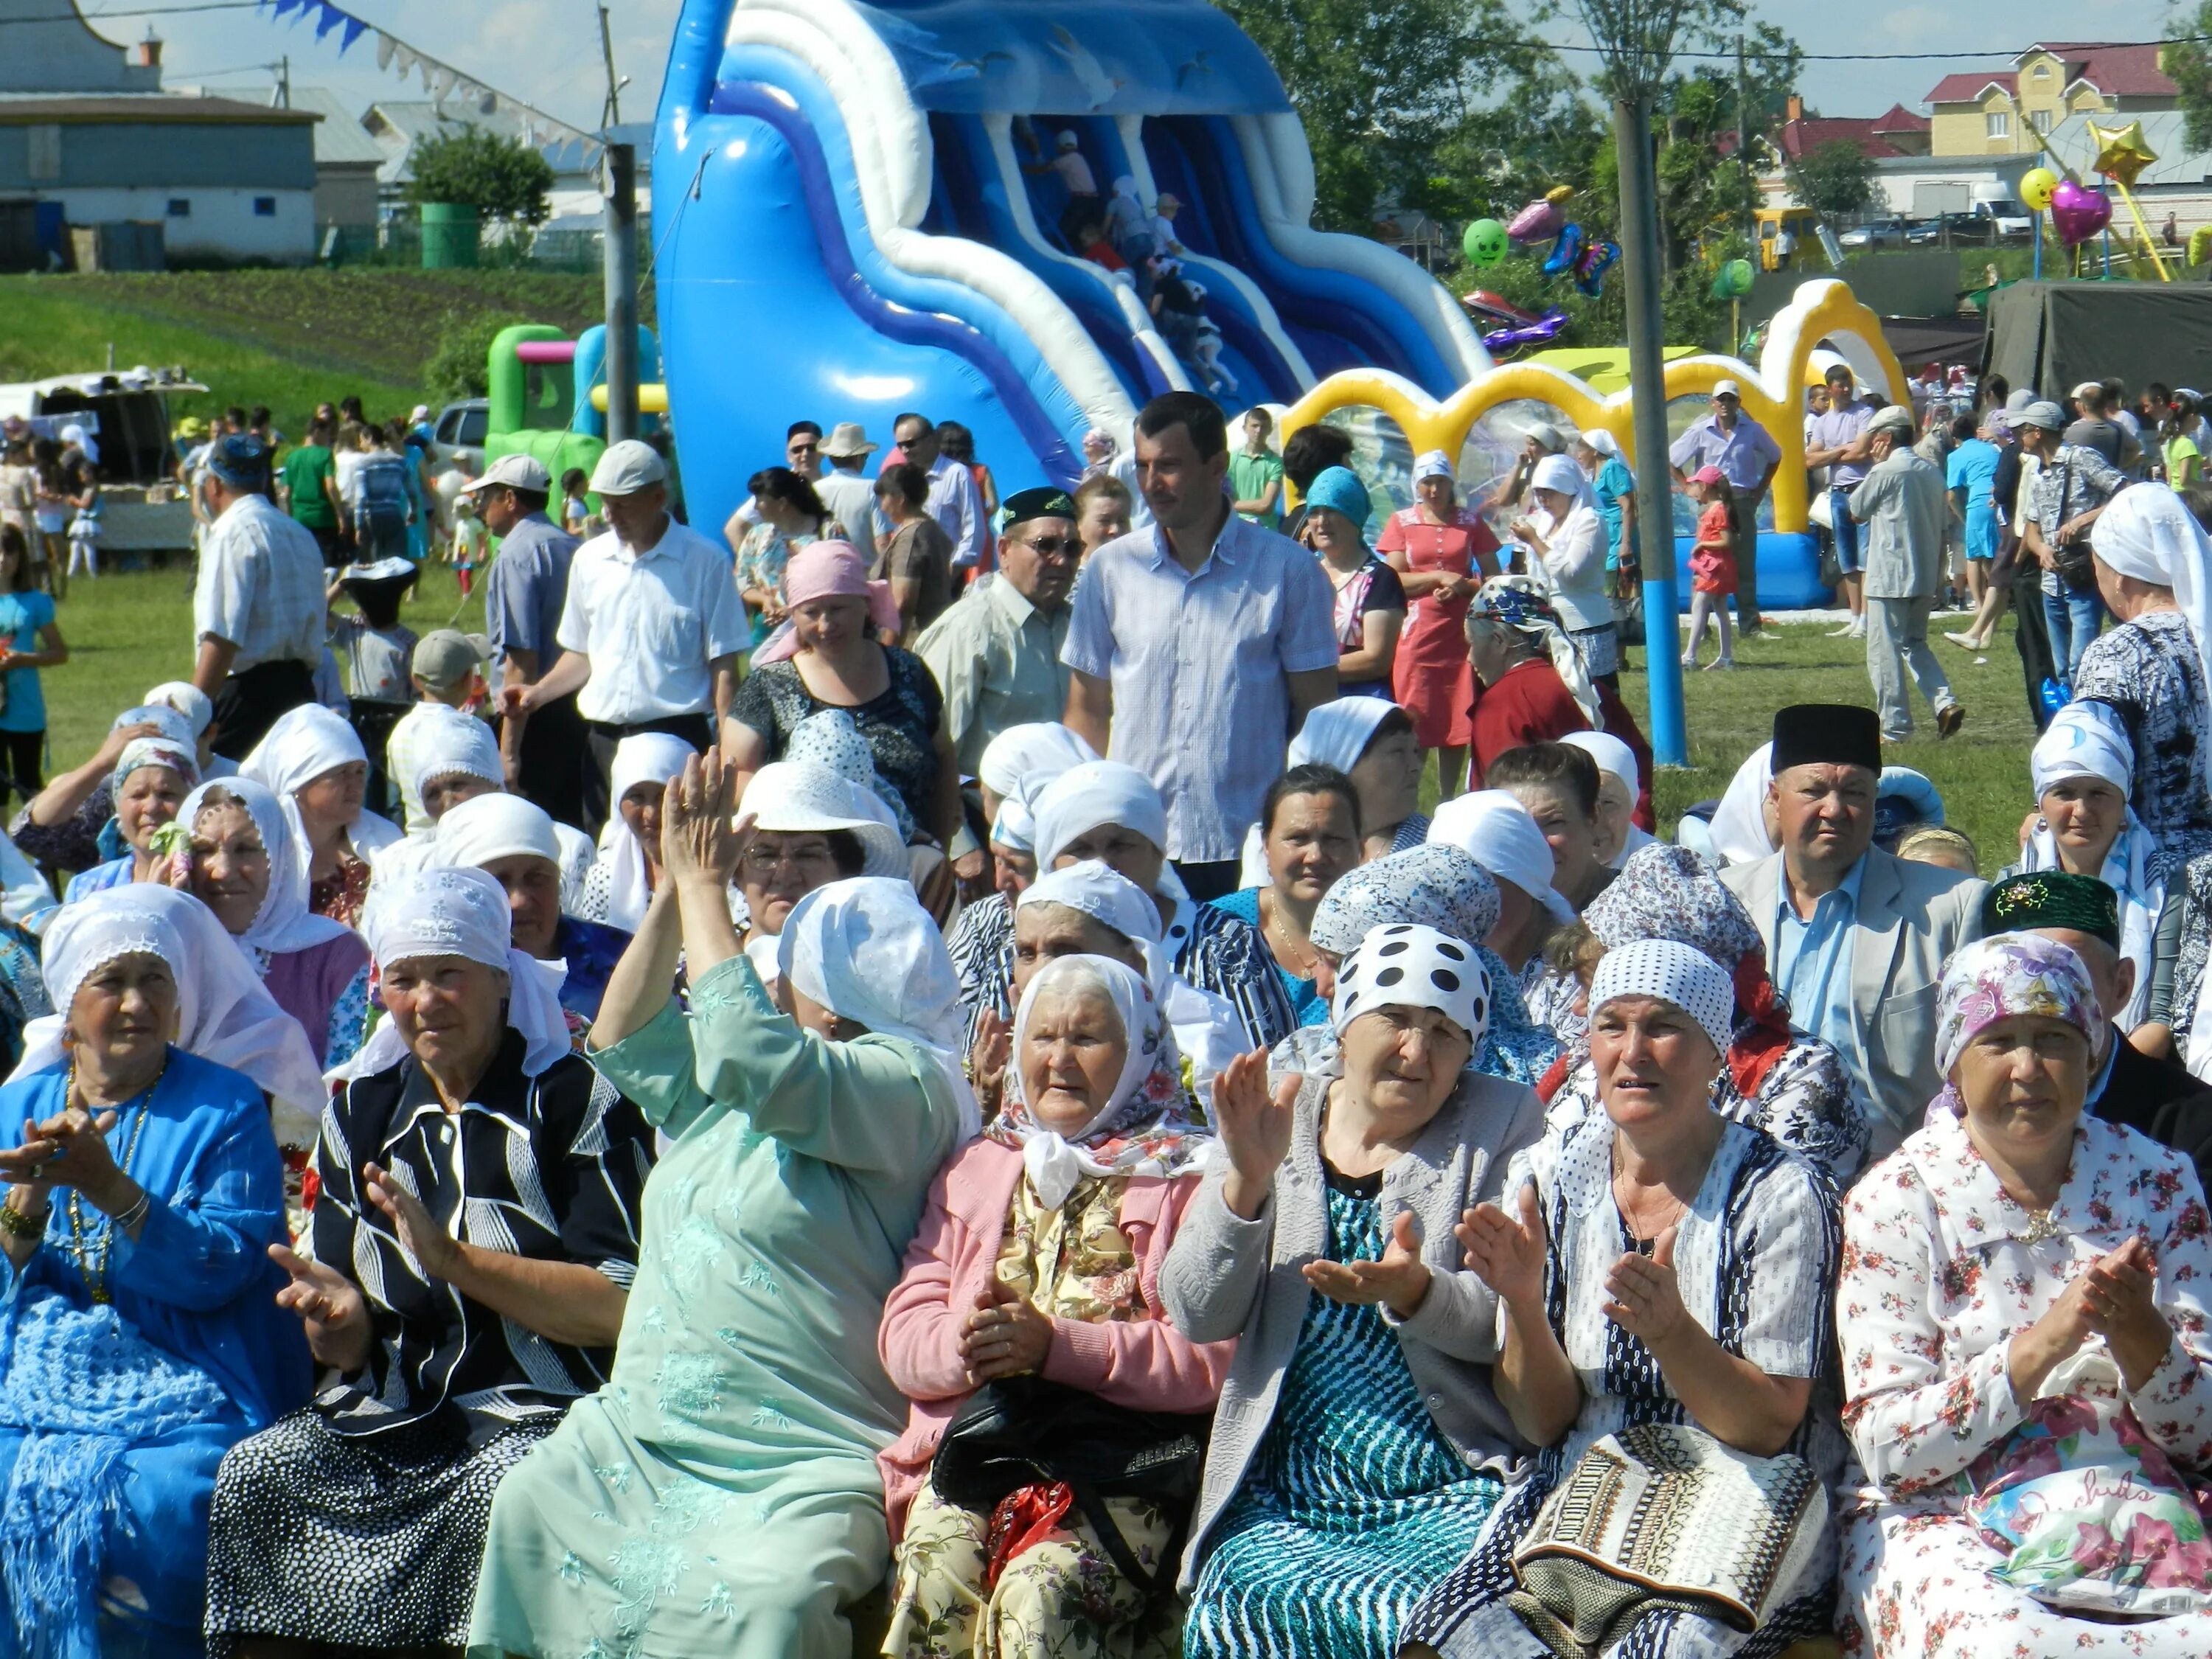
(1399, 1279)
(698, 839)
(330, 1306)
(1003, 1336)
(68, 1150)
(988, 1058)
(1254, 1128)
(432, 1246)
(1645, 1301)
(2118, 1302)
(1507, 1252)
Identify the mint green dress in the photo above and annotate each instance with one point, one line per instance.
(719, 1497)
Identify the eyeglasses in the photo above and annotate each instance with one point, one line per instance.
(764, 860)
(1055, 547)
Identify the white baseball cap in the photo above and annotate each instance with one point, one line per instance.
(524, 472)
(1728, 389)
(1492, 827)
(628, 467)
(1067, 140)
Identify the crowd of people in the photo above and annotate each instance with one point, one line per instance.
(884, 1083)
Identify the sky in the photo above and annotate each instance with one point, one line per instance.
(546, 52)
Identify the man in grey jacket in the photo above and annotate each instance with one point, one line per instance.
(1901, 503)
(1856, 941)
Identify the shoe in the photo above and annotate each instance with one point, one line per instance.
(1859, 633)
(1720, 662)
(1949, 718)
(1844, 632)
(1964, 641)
(1981, 662)
(1689, 662)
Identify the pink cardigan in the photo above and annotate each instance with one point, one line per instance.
(1146, 1364)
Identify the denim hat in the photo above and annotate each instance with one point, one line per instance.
(240, 460)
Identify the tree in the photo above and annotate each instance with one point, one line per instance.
(500, 178)
(1835, 179)
(2187, 61)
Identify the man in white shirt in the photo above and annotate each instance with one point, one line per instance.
(953, 501)
(1083, 206)
(259, 611)
(847, 492)
(652, 627)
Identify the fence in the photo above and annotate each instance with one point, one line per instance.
(398, 242)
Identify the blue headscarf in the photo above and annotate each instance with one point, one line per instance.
(1339, 487)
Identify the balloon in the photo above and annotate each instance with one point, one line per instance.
(1496, 308)
(2122, 154)
(1598, 259)
(2078, 212)
(1542, 330)
(1485, 242)
(2200, 245)
(1539, 221)
(1565, 252)
(2037, 185)
(1740, 276)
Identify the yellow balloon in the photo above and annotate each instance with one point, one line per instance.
(2036, 187)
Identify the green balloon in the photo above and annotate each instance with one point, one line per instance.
(1485, 242)
(1738, 275)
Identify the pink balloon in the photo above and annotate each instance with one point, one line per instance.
(1537, 222)
(2078, 213)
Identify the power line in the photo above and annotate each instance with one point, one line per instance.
(144, 11)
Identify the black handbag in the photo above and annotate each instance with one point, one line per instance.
(1022, 1431)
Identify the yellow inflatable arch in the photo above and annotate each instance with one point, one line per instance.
(1773, 393)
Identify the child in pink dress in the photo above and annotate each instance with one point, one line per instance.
(1712, 567)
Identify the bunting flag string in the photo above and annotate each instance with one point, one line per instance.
(441, 80)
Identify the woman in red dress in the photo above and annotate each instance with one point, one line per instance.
(1441, 552)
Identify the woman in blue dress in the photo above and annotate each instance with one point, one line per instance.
(139, 1333)
(1358, 1445)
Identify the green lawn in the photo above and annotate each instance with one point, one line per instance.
(126, 633)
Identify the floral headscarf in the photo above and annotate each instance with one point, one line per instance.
(2008, 975)
(1143, 1129)
(1522, 604)
(1669, 892)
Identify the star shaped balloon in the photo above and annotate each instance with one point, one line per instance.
(2121, 152)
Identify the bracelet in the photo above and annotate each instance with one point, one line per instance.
(136, 1213)
(14, 1222)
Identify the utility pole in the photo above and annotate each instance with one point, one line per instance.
(1743, 151)
(611, 114)
(284, 82)
(621, 234)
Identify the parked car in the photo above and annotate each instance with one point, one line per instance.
(2010, 218)
(457, 437)
(1888, 232)
(1958, 229)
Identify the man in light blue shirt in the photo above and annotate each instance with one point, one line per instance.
(1197, 647)
(1857, 940)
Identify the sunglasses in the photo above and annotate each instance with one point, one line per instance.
(1054, 547)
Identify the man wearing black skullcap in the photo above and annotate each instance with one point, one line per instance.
(996, 650)
(2132, 1088)
(1856, 940)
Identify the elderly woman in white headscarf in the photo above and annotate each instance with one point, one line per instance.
(627, 872)
(1620, 791)
(1566, 542)
(141, 1338)
(246, 864)
(2083, 768)
(1657, 1265)
(747, 1403)
(312, 761)
(455, 758)
(1360, 1441)
(99, 818)
(475, 1239)
(517, 845)
(1105, 809)
(198, 709)
(1040, 1255)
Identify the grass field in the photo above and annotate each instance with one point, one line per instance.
(128, 632)
(287, 338)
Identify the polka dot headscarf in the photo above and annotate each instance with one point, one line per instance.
(1671, 972)
(1408, 966)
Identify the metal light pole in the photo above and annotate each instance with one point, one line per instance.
(1647, 365)
(621, 232)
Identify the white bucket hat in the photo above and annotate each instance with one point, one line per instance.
(802, 797)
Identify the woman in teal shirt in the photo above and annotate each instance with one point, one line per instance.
(29, 641)
(720, 1498)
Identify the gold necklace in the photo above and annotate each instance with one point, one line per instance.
(95, 1267)
(1270, 918)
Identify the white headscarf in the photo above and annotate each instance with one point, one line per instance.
(1101, 892)
(188, 700)
(1096, 793)
(1141, 1129)
(303, 745)
(1337, 733)
(284, 923)
(224, 1014)
(1597, 438)
(2087, 740)
(867, 951)
(451, 743)
(1739, 822)
(498, 826)
(1022, 759)
(2146, 532)
(1559, 473)
(1496, 830)
(642, 757)
(1673, 972)
(458, 913)
(1014, 829)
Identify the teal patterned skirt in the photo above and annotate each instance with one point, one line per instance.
(1354, 1504)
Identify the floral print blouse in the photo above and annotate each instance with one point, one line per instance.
(1939, 1274)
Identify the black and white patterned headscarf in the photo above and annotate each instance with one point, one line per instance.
(1408, 966)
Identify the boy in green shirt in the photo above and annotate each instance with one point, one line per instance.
(308, 489)
(1256, 473)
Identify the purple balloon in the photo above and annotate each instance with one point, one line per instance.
(1541, 332)
(2077, 213)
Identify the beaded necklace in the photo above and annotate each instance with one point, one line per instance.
(91, 1255)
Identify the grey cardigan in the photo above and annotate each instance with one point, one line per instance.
(1227, 1277)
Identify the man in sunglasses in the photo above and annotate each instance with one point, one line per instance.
(996, 651)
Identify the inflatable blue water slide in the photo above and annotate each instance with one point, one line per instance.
(852, 222)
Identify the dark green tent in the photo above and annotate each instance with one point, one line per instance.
(2053, 336)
